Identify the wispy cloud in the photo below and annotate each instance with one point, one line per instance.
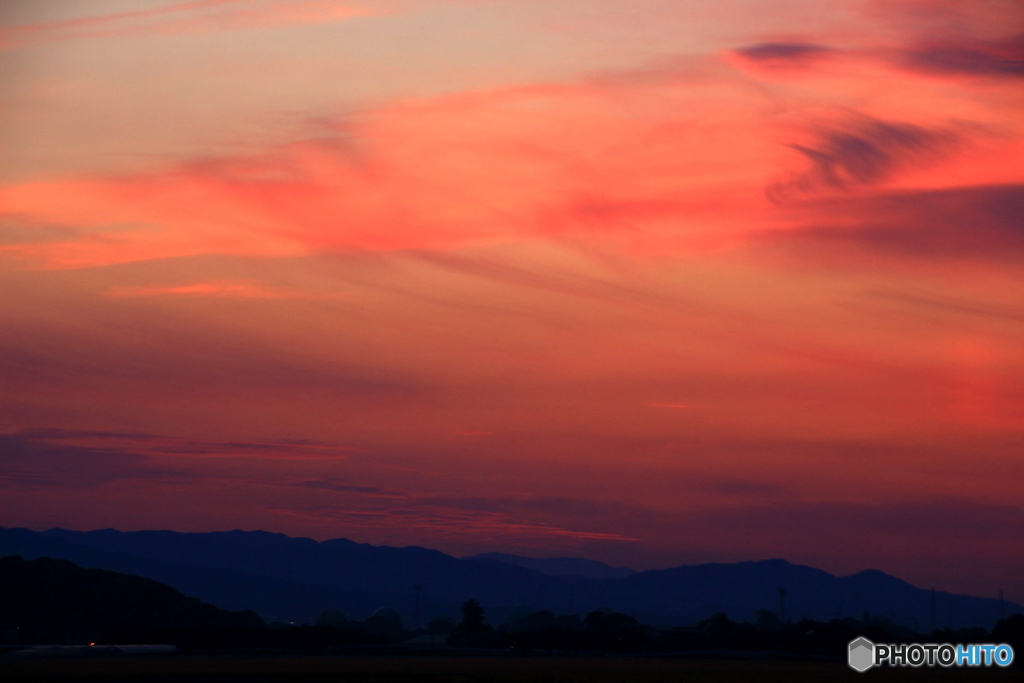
(29, 462)
(1000, 59)
(862, 152)
(200, 16)
(447, 524)
(955, 38)
(188, 352)
(454, 171)
(784, 55)
(231, 290)
(483, 167)
(139, 444)
(983, 309)
(954, 224)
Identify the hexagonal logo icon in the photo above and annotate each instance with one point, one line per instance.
(861, 655)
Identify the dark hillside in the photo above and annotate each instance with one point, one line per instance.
(55, 601)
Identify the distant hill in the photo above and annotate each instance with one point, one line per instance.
(266, 571)
(293, 579)
(692, 592)
(276, 599)
(55, 601)
(559, 566)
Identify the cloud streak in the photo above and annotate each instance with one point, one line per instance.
(861, 153)
(140, 444)
(784, 55)
(32, 464)
(201, 16)
(231, 290)
(999, 59)
(954, 224)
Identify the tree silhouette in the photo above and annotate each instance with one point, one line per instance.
(472, 615)
(332, 617)
(473, 632)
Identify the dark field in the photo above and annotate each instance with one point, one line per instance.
(467, 670)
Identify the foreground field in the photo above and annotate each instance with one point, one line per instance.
(464, 670)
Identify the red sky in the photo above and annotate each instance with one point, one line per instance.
(651, 282)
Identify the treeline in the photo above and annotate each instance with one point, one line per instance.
(606, 631)
(541, 632)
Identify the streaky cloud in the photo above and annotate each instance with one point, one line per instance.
(28, 463)
(147, 444)
(218, 288)
(784, 54)
(864, 151)
(1003, 58)
(946, 304)
(199, 16)
(958, 223)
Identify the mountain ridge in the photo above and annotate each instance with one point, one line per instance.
(293, 579)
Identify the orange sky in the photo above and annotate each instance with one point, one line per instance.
(652, 283)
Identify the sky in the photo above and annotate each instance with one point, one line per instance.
(655, 283)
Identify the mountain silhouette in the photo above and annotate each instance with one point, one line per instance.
(294, 579)
(276, 599)
(55, 601)
(238, 570)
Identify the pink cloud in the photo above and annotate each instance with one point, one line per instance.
(670, 164)
(495, 166)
